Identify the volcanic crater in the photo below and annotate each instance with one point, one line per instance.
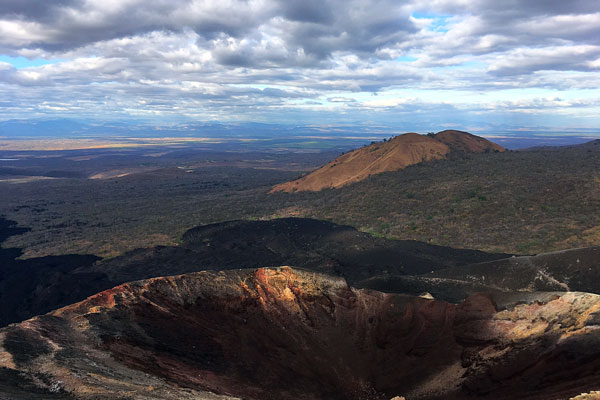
(284, 333)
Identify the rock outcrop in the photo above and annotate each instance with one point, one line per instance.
(280, 333)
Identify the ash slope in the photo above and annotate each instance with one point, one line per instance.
(292, 334)
(393, 155)
(566, 270)
(36, 286)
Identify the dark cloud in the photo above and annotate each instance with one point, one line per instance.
(507, 8)
(33, 9)
(74, 23)
(355, 26)
(546, 7)
(315, 11)
(317, 28)
(234, 58)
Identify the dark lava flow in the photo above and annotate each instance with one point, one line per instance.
(38, 285)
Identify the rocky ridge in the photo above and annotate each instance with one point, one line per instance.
(36, 286)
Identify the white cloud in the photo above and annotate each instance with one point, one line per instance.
(234, 57)
(17, 33)
(527, 60)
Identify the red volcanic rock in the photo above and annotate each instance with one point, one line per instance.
(393, 155)
(357, 165)
(292, 334)
(466, 142)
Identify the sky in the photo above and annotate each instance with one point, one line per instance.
(478, 65)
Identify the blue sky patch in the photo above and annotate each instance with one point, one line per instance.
(438, 23)
(23, 62)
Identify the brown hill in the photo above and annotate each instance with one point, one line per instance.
(395, 154)
(466, 142)
(290, 334)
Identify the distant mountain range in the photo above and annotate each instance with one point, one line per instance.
(60, 128)
(76, 128)
(393, 155)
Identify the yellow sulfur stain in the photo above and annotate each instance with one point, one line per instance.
(288, 294)
(524, 331)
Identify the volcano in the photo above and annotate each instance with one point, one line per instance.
(393, 155)
(283, 333)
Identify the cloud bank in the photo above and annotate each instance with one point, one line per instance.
(289, 61)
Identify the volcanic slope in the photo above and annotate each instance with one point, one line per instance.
(395, 154)
(35, 286)
(566, 270)
(280, 333)
(460, 141)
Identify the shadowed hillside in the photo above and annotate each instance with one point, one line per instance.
(567, 270)
(38, 285)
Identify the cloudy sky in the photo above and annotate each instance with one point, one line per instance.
(419, 65)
